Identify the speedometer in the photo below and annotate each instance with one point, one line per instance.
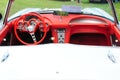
(20, 25)
(32, 22)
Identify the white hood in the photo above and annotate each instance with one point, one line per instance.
(59, 62)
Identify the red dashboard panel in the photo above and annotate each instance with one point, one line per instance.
(74, 28)
(84, 25)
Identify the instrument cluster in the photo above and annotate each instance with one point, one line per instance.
(29, 23)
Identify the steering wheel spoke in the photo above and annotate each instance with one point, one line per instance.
(33, 37)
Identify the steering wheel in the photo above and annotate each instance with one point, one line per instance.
(30, 23)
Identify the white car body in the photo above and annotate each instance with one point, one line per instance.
(56, 61)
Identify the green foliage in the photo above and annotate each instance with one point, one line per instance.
(3, 5)
(117, 6)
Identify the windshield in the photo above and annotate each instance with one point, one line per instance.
(87, 6)
(3, 4)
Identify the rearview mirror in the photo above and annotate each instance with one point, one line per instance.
(60, 13)
(0, 16)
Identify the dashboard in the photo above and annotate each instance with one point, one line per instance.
(34, 28)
